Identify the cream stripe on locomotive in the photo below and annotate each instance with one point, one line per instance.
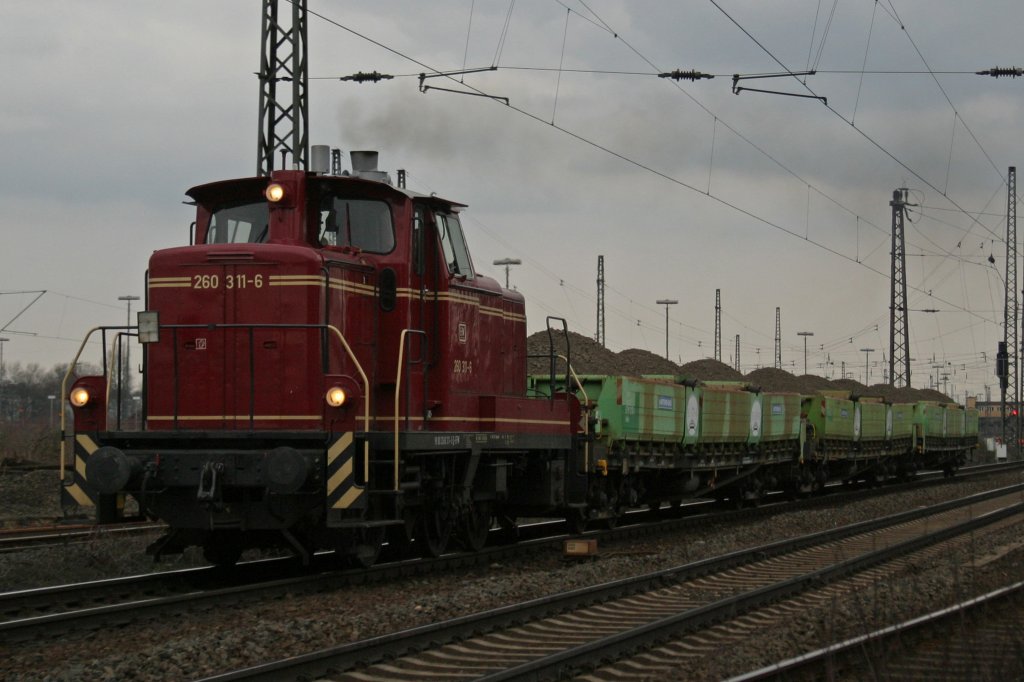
(455, 297)
(342, 491)
(389, 419)
(355, 288)
(236, 417)
(295, 280)
(170, 282)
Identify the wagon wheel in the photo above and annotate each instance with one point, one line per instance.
(433, 530)
(576, 520)
(475, 525)
(610, 522)
(612, 509)
(222, 549)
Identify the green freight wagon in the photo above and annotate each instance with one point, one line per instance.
(633, 414)
(956, 424)
(900, 428)
(971, 428)
(781, 425)
(830, 415)
(929, 425)
(728, 419)
(870, 425)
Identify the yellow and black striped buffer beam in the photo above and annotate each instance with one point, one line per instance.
(342, 491)
(78, 491)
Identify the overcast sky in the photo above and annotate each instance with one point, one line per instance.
(111, 110)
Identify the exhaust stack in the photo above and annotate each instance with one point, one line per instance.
(364, 165)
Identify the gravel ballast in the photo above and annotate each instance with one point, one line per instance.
(204, 643)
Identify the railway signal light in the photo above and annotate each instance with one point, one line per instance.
(1002, 365)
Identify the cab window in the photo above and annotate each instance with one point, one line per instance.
(453, 243)
(361, 223)
(238, 224)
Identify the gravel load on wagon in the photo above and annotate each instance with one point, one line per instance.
(710, 369)
(777, 380)
(589, 357)
(586, 355)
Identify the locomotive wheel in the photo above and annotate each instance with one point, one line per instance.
(509, 527)
(507, 523)
(399, 538)
(368, 544)
(222, 550)
(434, 530)
(475, 525)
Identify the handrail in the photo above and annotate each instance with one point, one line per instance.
(114, 344)
(366, 397)
(586, 406)
(575, 378)
(398, 391)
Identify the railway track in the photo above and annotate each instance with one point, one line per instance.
(704, 603)
(58, 534)
(63, 610)
(976, 639)
(17, 539)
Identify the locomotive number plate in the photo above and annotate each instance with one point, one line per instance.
(228, 281)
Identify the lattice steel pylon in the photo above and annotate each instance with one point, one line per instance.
(899, 348)
(599, 337)
(778, 338)
(284, 112)
(1011, 315)
(718, 325)
(738, 365)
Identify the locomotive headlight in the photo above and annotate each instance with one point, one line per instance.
(79, 397)
(274, 192)
(336, 396)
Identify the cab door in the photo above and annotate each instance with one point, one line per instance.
(421, 344)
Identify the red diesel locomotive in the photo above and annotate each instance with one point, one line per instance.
(324, 368)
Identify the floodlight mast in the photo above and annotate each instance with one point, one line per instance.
(508, 262)
(805, 335)
(666, 302)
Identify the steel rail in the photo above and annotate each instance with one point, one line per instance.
(615, 646)
(855, 645)
(58, 609)
(390, 646)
